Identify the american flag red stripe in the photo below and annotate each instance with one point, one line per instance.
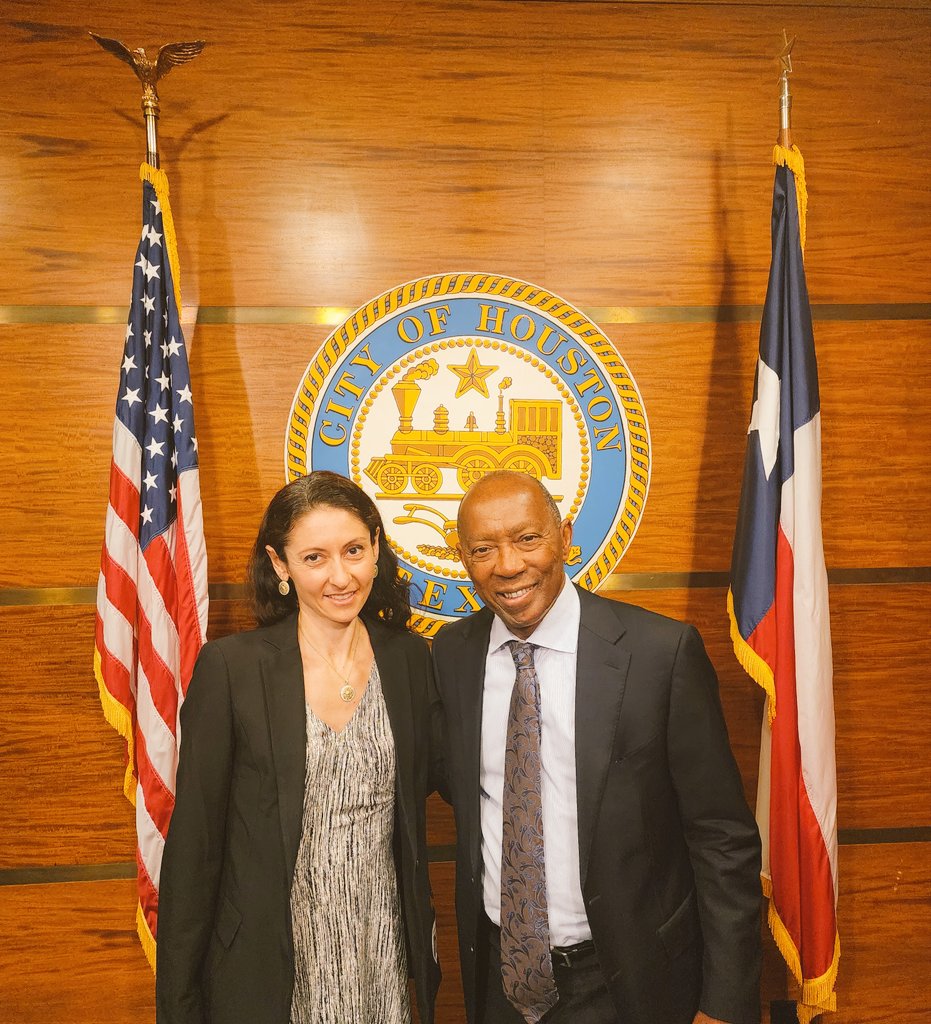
(152, 588)
(780, 622)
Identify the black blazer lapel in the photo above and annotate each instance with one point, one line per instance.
(601, 678)
(283, 681)
(469, 673)
(394, 672)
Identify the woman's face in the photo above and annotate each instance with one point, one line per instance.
(330, 560)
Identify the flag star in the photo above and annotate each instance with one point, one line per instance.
(172, 492)
(150, 482)
(155, 448)
(165, 317)
(194, 443)
(128, 363)
(148, 337)
(129, 331)
(131, 396)
(173, 347)
(156, 204)
(142, 263)
(174, 458)
(154, 237)
(164, 381)
(184, 395)
(150, 271)
(764, 416)
(164, 348)
(147, 514)
(149, 302)
(178, 424)
(160, 415)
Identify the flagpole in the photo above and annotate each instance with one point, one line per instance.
(785, 94)
(149, 72)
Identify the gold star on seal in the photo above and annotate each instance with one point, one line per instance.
(472, 376)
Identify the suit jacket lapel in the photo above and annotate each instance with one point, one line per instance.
(601, 678)
(394, 672)
(469, 670)
(283, 681)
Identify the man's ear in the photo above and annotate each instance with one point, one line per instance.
(565, 535)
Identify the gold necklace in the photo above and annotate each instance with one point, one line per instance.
(347, 690)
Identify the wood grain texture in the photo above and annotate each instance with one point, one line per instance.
(70, 955)
(617, 153)
(885, 928)
(696, 381)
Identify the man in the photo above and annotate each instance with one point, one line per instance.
(607, 863)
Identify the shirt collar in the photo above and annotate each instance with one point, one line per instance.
(559, 630)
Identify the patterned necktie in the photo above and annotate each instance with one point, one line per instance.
(526, 965)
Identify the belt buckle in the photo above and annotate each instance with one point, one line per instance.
(570, 955)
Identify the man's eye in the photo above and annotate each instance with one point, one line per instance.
(479, 552)
(529, 538)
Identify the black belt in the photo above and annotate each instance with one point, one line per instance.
(562, 956)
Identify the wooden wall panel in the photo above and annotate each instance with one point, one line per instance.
(885, 928)
(696, 381)
(618, 153)
(70, 955)
(61, 788)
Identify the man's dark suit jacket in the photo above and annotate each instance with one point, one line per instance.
(225, 952)
(669, 851)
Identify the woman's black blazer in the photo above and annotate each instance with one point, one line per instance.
(225, 953)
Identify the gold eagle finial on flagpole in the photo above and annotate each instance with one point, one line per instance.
(785, 96)
(149, 71)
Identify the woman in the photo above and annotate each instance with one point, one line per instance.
(294, 884)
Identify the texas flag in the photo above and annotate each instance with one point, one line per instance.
(780, 624)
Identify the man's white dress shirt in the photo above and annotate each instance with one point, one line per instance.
(556, 642)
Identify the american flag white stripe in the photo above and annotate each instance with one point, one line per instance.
(152, 588)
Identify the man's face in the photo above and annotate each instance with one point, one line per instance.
(513, 550)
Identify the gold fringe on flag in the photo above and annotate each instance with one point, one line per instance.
(119, 718)
(755, 667)
(816, 995)
(158, 179)
(792, 158)
(145, 936)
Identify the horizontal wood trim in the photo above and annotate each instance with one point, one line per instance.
(51, 874)
(616, 583)
(333, 316)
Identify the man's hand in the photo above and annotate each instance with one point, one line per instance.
(703, 1018)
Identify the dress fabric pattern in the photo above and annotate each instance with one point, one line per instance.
(350, 963)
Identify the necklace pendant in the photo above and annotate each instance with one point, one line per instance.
(347, 693)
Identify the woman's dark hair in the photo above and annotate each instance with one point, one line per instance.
(388, 601)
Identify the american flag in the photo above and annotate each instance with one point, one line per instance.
(152, 588)
(780, 625)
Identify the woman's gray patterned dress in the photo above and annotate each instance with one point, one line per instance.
(350, 965)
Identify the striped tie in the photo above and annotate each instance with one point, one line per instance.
(526, 965)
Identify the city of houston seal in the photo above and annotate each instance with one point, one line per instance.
(433, 384)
